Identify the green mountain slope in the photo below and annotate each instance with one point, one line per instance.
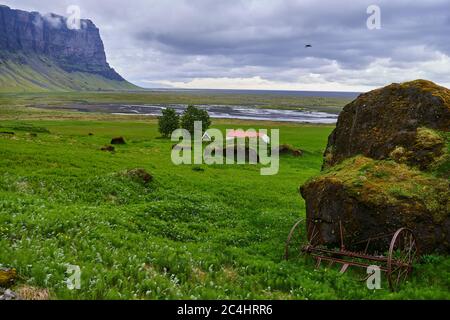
(41, 74)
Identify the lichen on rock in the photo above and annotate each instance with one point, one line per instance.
(426, 152)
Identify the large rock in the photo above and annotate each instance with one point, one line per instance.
(400, 119)
(387, 166)
(373, 197)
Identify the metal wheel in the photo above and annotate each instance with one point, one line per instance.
(313, 234)
(295, 241)
(403, 252)
(299, 241)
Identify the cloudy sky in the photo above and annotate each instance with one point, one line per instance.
(260, 44)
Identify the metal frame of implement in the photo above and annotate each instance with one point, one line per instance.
(398, 263)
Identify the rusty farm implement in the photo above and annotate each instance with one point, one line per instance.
(396, 260)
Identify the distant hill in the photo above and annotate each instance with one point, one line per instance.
(39, 53)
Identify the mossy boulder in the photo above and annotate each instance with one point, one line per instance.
(118, 140)
(405, 119)
(387, 166)
(372, 197)
(7, 277)
(428, 151)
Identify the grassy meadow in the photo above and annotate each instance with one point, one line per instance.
(194, 232)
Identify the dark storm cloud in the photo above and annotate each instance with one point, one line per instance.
(180, 40)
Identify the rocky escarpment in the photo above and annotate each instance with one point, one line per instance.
(387, 166)
(29, 39)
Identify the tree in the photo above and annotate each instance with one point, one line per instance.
(193, 114)
(168, 122)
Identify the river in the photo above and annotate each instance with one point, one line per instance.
(232, 112)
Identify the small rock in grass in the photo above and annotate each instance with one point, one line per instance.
(7, 277)
(139, 175)
(108, 148)
(118, 140)
(297, 153)
(7, 294)
(288, 149)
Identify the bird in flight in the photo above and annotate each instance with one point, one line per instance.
(308, 46)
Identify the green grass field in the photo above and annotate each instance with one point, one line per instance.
(212, 234)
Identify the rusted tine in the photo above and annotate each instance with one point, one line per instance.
(342, 236)
(351, 263)
(318, 261)
(367, 245)
(367, 277)
(349, 254)
(344, 268)
(377, 237)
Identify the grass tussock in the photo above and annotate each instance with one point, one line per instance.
(26, 292)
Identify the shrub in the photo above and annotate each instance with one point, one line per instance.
(168, 122)
(193, 114)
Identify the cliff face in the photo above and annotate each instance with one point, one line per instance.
(26, 34)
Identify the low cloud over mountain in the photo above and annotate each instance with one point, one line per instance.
(261, 43)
